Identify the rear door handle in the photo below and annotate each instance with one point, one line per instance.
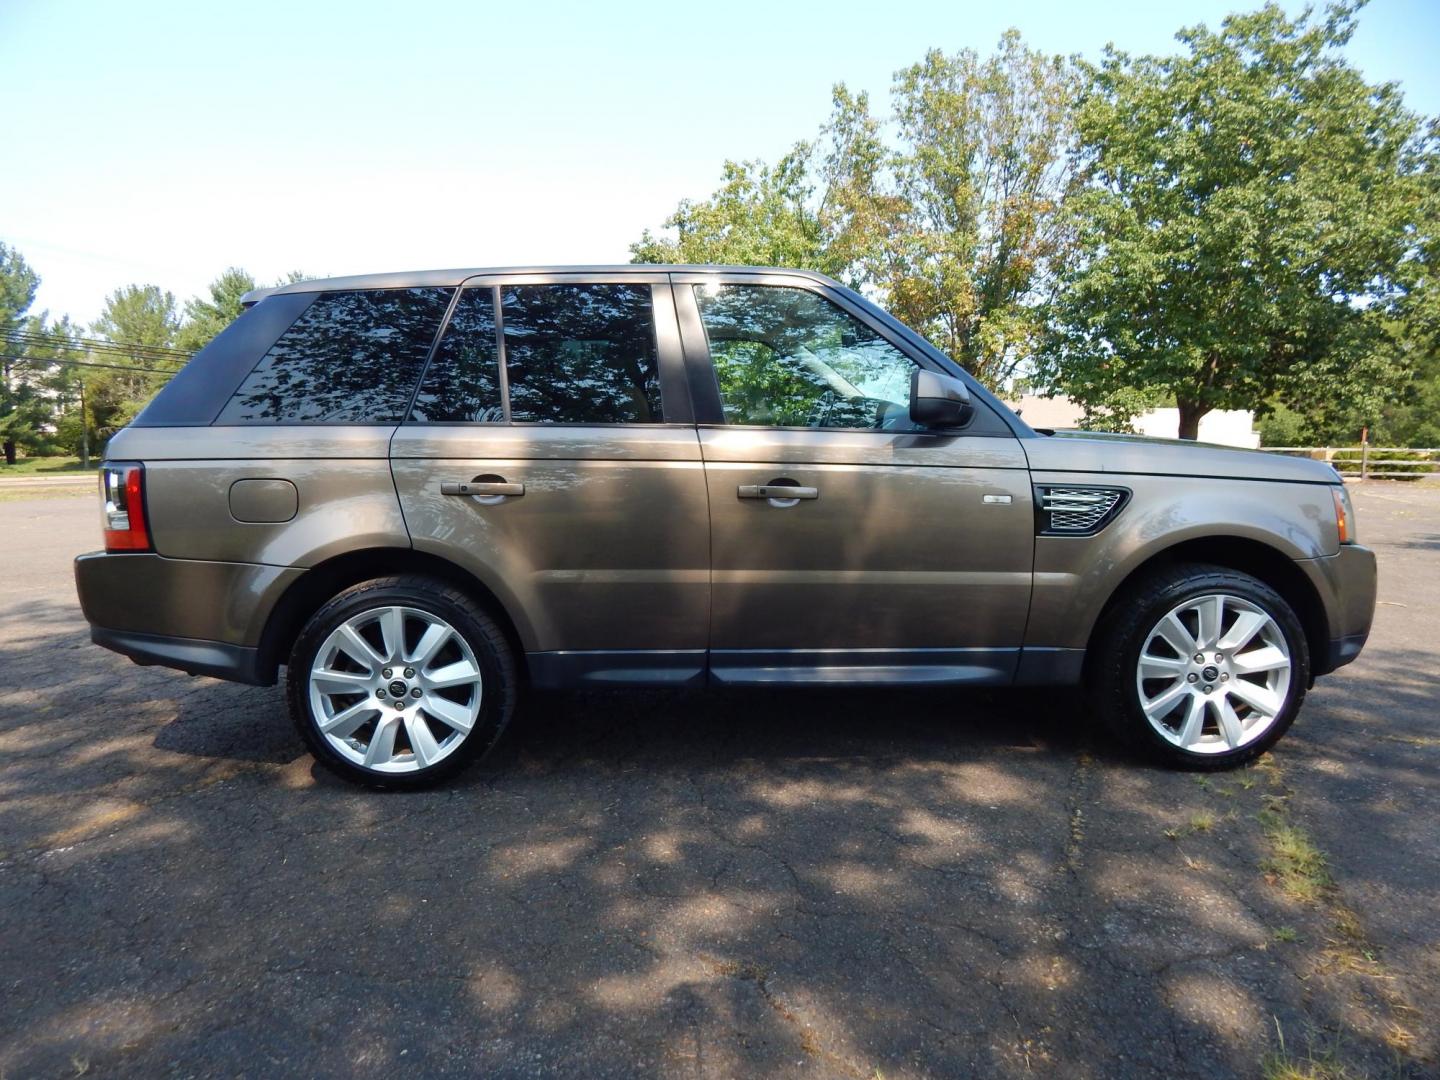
(776, 491)
(482, 488)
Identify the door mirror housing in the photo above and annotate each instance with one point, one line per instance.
(940, 401)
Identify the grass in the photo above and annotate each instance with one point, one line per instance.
(44, 466)
(1297, 865)
(1202, 822)
(1286, 933)
(1280, 1064)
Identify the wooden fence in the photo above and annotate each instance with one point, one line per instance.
(1366, 462)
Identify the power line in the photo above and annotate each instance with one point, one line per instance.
(85, 363)
(53, 334)
(31, 339)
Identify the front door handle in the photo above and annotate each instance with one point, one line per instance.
(483, 488)
(777, 491)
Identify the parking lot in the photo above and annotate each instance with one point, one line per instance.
(636, 884)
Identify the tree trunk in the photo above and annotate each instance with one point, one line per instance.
(1190, 414)
(9, 451)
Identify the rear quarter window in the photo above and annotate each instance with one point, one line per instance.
(350, 358)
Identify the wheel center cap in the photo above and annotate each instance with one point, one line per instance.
(397, 689)
(1210, 674)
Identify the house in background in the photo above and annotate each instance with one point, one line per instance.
(1233, 427)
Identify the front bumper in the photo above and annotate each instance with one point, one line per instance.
(1346, 584)
(202, 617)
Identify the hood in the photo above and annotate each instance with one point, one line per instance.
(1097, 452)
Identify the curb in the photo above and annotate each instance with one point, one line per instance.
(66, 480)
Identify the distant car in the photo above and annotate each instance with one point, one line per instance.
(419, 492)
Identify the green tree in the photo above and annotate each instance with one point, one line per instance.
(760, 216)
(1253, 219)
(206, 317)
(142, 317)
(954, 223)
(53, 358)
(959, 226)
(22, 408)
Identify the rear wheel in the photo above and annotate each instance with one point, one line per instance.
(399, 682)
(1201, 666)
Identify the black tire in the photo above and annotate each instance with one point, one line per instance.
(1111, 687)
(493, 656)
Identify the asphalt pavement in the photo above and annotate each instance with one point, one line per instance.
(852, 884)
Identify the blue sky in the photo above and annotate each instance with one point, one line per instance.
(162, 142)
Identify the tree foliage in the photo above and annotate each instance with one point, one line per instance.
(1251, 224)
(22, 407)
(761, 215)
(207, 316)
(138, 316)
(57, 393)
(953, 222)
(958, 225)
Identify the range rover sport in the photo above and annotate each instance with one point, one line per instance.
(419, 492)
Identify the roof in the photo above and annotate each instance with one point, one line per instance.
(409, 279)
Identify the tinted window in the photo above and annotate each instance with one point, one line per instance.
(581, 354)
(463, 381)
(351, 357)
(790, 358)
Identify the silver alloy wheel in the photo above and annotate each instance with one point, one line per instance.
(395, 689)
(1214, 674)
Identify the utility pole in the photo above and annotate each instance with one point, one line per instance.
(84, 428)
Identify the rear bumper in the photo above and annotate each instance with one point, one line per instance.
(202, 617)
(1346, 584)
(214, 658)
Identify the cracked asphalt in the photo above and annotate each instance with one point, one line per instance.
(850, 884)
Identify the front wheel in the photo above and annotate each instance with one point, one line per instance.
(399, 682)
(1201, 666)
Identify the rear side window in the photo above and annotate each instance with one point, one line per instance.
(463, 381)
(351, 357)
(581, 354)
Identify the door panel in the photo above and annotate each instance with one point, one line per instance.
(898, 551)
(608, 547)
(907, 555)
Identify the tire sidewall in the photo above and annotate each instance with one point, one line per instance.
(496, 673)
(1120, 693)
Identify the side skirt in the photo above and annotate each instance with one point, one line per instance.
(863, 667)
(1030, 666)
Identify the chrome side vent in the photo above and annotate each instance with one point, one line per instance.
(1076, 511)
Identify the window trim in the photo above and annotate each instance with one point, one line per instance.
(676, 406)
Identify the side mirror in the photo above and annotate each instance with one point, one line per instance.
(937, 400)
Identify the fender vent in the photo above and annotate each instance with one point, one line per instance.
(1076, 511)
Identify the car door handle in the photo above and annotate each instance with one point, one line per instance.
(776, 491)
(482, 488)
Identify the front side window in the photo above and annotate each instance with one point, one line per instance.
(581, 354)
(463, 381)
(351, 357)
(787, 357)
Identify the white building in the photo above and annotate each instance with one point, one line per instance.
(1232, 427)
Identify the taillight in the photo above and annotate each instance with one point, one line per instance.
(122, 489)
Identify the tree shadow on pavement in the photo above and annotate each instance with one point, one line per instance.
(837, 883)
